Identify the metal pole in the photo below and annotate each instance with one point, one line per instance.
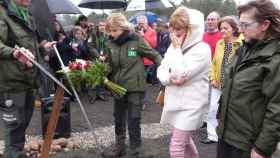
(79, 101)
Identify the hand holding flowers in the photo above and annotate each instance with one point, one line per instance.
(92, 74)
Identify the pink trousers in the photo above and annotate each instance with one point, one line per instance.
(182, 145)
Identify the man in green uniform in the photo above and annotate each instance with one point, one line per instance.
(97, 45)
(18, 82)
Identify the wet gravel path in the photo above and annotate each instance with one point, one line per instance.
(155, 142)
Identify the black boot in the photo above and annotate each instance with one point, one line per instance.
(134, 152)
(118, 150)
(134, 137)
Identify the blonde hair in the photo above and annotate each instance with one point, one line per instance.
(77, 29)
(180, 17)
(117, 20)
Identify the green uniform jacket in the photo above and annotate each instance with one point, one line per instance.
(127, 64)
(14, 31)
(250, 106)
(96, 43)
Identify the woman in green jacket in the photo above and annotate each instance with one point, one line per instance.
(249, 118)
(127, 69)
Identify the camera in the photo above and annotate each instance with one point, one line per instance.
(138, 29)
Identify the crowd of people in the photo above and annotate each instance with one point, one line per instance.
(221, 73)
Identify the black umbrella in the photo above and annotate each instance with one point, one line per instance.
(103, 4)
(43, 23)
(43, 12)
(147, 5)
(43, 18)
(62, 7)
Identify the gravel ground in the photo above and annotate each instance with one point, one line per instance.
(155, 136)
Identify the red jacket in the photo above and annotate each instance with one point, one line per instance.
(211, 39)
(150, 37)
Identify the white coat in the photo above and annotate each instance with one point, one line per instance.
(185, 105)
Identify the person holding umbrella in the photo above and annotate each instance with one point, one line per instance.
(18, 76)
(125, 59)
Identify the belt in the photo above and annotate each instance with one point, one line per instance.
(3, 97)
(11, 95)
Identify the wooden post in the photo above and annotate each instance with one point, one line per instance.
(58, 100)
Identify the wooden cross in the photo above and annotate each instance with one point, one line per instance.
(58, 100)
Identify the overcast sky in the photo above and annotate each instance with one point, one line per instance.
(87, 11)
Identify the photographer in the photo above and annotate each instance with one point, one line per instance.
(150, 37)
(144, 30)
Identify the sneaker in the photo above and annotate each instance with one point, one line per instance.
(207, 141)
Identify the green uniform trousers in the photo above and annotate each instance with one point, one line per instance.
(128, 109)
(16, 110)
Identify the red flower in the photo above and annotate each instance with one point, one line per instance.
(88, 64)
(73, 66)
(79, 66)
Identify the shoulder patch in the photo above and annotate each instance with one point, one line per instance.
(132, 53)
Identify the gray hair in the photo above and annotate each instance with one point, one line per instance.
(215, 14)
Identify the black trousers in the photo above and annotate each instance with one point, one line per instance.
(128, 109)
(151, 71)
(226, 150)
(16, 116)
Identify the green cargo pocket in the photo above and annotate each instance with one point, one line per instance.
(135, 101)
(9, 114)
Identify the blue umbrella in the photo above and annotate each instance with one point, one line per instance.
(152, 17)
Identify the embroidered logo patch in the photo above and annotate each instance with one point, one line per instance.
(131, 53)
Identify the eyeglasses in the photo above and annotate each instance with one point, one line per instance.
(245, 25)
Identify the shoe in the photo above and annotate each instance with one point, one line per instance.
(115, 153)
(100, 97)
(144, 107)
(207, 141)
(204, 125)
(134, 153)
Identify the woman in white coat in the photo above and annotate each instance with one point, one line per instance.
(185, 73)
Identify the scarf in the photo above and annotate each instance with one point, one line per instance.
(20, 11)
